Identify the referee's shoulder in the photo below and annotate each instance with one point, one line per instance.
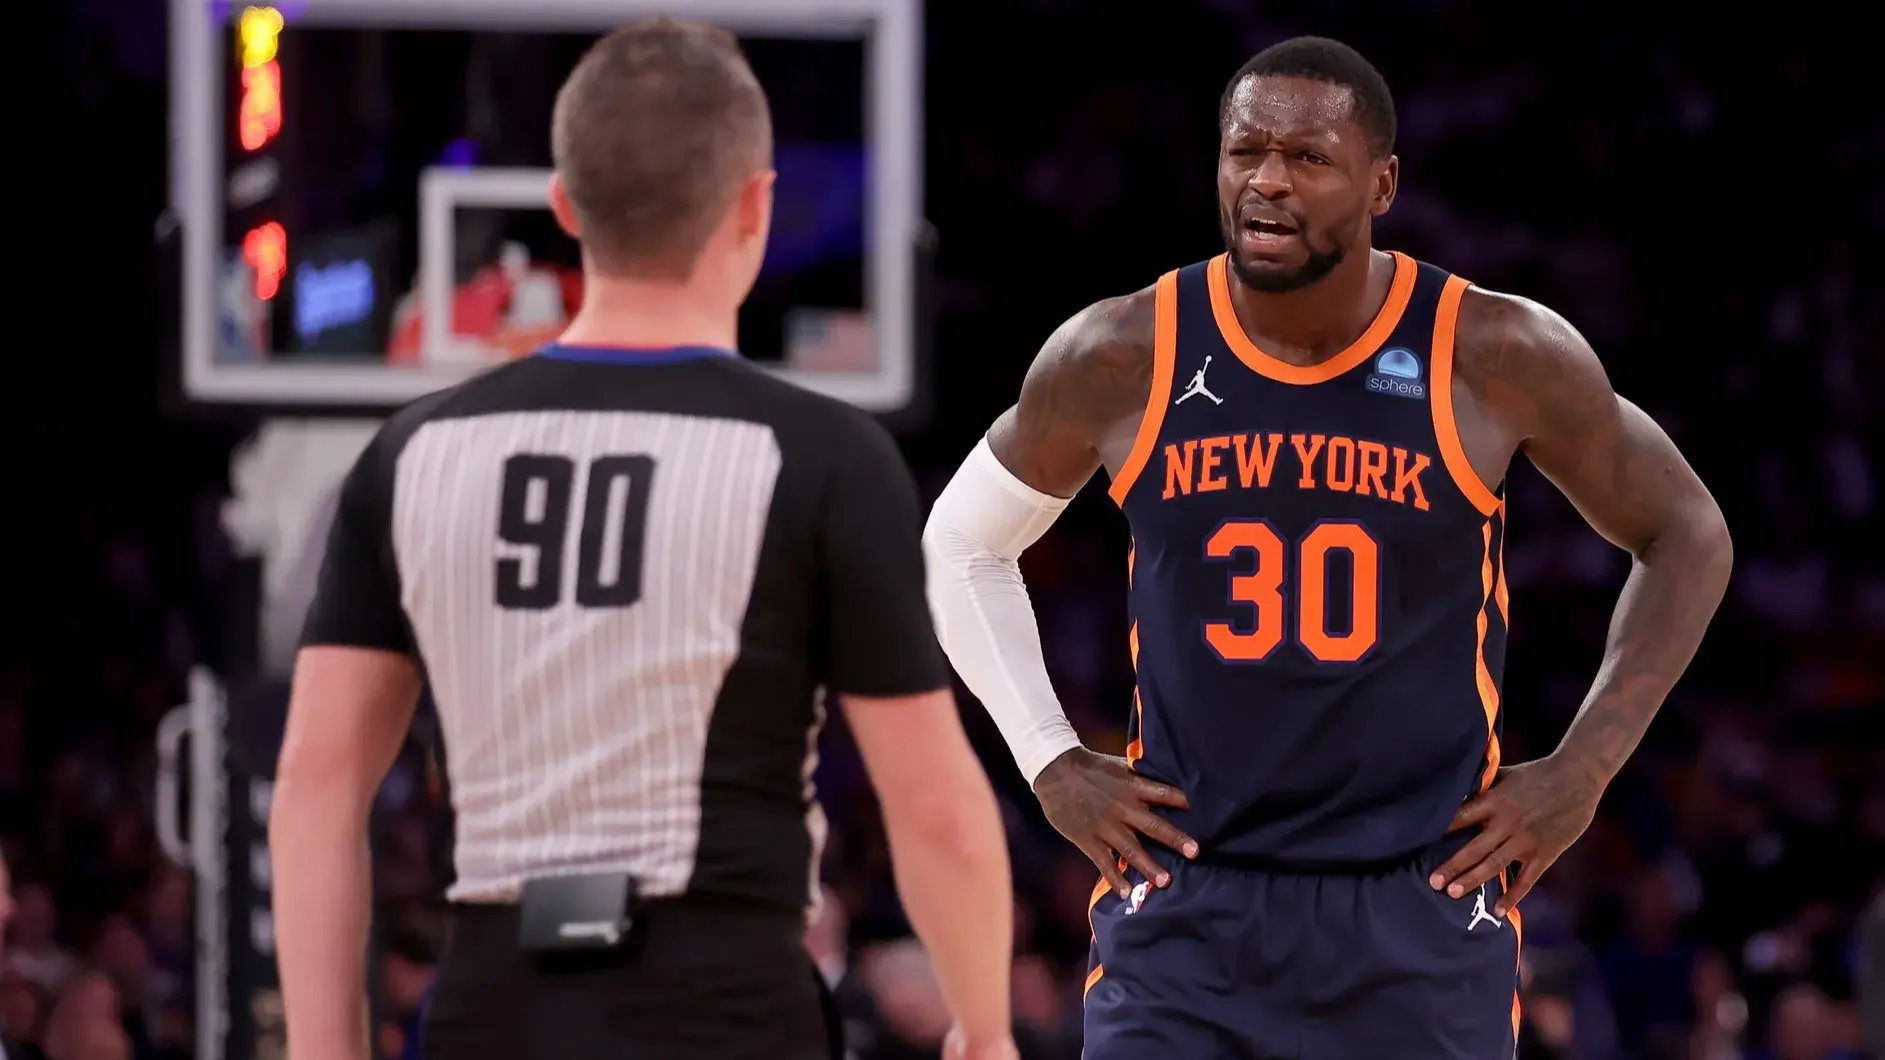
(841, 433)
(381, 455)
(399, 427)
(514, 386)
(428, 407)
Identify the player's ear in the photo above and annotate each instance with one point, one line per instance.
(1387, 181)
(563, 209)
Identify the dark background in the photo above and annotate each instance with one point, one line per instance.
(1699, 195)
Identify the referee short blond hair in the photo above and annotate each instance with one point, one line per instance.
(653, 133)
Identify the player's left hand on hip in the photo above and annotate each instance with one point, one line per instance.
(1532, 814)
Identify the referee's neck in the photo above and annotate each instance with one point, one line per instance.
(648, 314)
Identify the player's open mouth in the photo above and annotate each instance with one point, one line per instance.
(1267, 233)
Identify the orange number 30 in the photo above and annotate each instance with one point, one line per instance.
(1262, 591)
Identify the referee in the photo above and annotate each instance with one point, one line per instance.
(627, 565)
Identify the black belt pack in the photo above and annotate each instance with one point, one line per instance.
(577, 914)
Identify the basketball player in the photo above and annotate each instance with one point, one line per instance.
(625, 565)
(1336, 848)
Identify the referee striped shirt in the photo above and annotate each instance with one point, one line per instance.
(628, 574)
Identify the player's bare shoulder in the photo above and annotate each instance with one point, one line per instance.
(1083, 397)
(1520, 370)
(1524, 362)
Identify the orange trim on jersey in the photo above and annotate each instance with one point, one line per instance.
(1499, 593)
(1518, 961)
(1493, 757)
(1164, 356)
(1445, 427)
(1488, 691)
(1135, 750)
(1100, 890)
(1218, 279)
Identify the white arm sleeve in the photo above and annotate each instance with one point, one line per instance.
(978, 528)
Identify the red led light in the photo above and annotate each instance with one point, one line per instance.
(258, 34)
(260, 117)
(265, 248)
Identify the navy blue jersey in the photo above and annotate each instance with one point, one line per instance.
(1318, 603)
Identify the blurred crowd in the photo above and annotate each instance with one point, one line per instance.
(1698, 212)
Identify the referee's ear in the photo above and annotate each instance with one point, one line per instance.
(748, 225)
(753, 206)
(563, 210)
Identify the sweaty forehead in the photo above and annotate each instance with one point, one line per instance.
(1290, 106)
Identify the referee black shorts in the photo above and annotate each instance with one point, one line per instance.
(700, 979)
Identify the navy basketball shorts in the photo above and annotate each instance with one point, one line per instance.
(1268, 965)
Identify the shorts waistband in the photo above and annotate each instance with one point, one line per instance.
(1426, 858)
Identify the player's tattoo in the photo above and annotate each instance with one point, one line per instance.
(1088, 383)
(1102, 807)
(1535, 375)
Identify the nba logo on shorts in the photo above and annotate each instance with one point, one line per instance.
(1397, 372)
(1139, 891)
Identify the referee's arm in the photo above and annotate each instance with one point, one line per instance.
(356, 684)
(939, 811)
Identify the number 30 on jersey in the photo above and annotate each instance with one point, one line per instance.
(1264, 589)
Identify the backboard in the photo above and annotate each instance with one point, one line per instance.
(327, 266)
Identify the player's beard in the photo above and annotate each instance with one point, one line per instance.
(1273, 280)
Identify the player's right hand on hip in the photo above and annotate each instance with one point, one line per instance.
(1102, 806)
(959, 1046)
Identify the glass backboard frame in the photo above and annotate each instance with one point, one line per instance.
(891, 29)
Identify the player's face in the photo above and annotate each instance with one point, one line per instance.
(1295, 184)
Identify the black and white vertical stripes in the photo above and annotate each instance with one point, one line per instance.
(576, 582)
(628, 574)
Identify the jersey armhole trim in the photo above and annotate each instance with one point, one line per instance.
(1164, 356)
(1446, 428)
